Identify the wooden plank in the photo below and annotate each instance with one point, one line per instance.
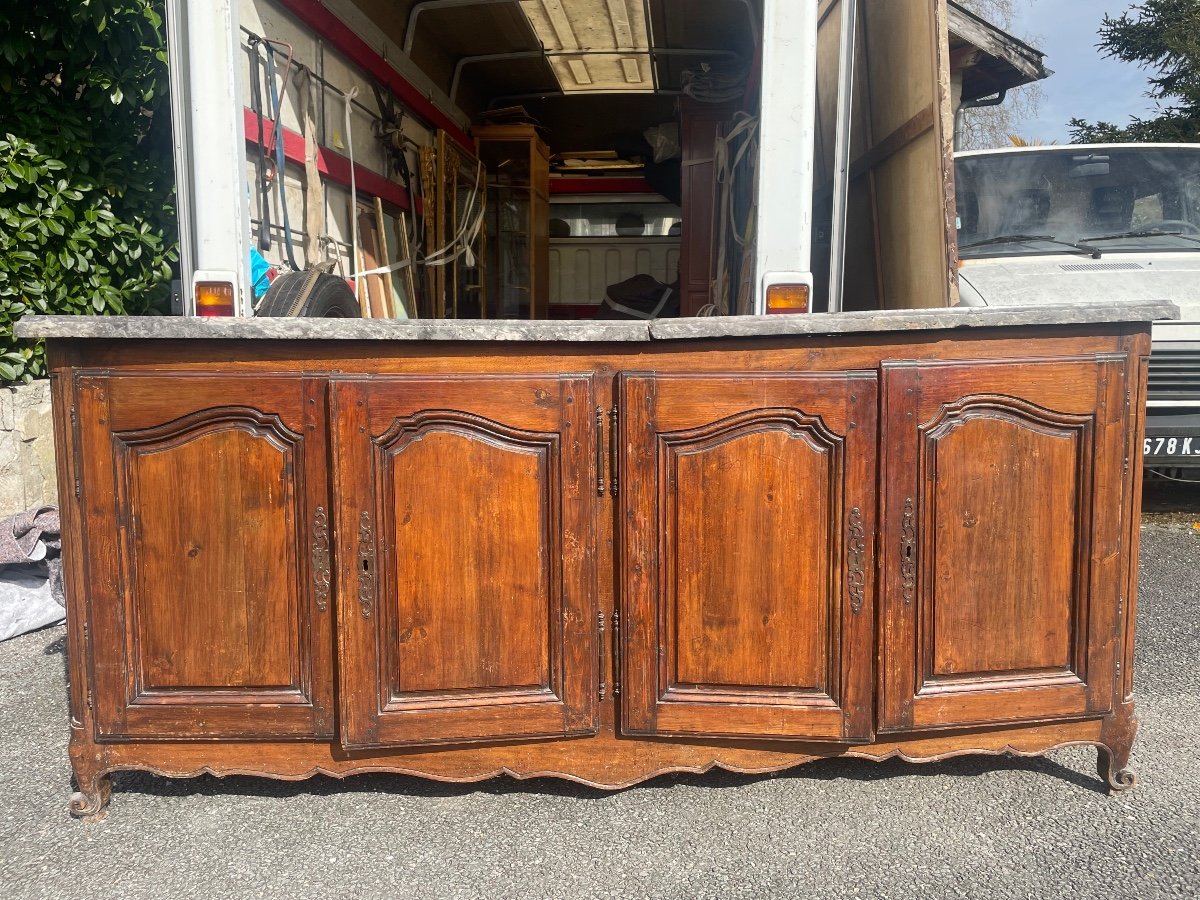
(372, 287)
(907, 91)
(409, 271)
(996, 43)
(391, 299)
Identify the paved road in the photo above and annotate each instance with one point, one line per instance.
(963, 828)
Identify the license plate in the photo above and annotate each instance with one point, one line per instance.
(1188, 445)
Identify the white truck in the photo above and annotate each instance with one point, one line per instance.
(288, 113)
(1069, 224)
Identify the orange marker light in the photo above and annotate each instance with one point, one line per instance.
(787, 298)
(214, 298)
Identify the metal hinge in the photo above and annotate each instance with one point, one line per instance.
(599, 453)
(75, 460)
(1128, 400)
(616, 633)
(603, 691)
(613, 430)
(91, 700)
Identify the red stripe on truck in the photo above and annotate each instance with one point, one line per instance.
(331, 164)
(318, 17)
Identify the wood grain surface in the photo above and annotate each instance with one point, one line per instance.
(601, 563)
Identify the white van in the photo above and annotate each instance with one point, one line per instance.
(1088, 222)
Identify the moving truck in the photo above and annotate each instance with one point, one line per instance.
(468, 135)
(1077, 223)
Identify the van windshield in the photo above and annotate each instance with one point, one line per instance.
(1116, 200)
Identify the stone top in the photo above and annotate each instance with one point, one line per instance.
(293, 329)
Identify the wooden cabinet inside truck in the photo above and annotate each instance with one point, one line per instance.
(601, 552)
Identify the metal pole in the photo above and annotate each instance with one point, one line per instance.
(177, 45)
(841, 171)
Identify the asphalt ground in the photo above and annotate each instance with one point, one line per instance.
(968, 827)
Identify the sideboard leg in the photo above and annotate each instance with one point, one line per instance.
(1112, 763)
(90, 802)
(1113, 768)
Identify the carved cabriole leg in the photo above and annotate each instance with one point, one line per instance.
(1116, 742)
(90, 802)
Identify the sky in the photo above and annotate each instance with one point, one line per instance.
(1084, 84)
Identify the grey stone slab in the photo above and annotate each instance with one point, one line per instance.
(180, 328)
(915, 320)
(300, 329)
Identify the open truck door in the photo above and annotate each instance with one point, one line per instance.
(898, 248)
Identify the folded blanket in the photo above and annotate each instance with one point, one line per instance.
(21, 538)
(31, 587)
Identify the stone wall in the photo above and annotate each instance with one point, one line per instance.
(27, 476)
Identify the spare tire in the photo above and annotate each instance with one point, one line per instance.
(311, 294)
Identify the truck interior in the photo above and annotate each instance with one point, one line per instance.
(534, 159)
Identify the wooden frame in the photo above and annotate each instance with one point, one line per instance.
(446, 171)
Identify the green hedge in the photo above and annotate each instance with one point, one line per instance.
(87, 219)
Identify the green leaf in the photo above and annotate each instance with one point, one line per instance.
(87, 215)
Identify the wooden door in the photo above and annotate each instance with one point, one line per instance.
(466, 521)
(747, 589)
(206, 517)
(1001, 547)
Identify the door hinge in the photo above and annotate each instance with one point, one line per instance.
(613, 431)
(75, 454)
(91, 700)
(1128, 401)
(603, 690)
(616, 634)
(599, 452)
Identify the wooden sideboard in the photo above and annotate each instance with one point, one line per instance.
(601, 552)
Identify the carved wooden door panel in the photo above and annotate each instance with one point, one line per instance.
(748, 519)
(1000, 551)
(207, 554)
(466, 517)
